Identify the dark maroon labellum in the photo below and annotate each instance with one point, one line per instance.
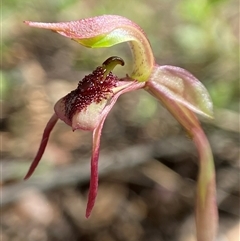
(92, 88)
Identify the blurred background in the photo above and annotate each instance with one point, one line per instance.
(148, 165)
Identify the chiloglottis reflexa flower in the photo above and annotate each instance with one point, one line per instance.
(87, 107)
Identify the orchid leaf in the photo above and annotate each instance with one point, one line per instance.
(181, 86)
(106, 31)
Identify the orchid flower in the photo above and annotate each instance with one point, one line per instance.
(87, 107)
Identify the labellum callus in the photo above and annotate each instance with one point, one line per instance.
(82, 106)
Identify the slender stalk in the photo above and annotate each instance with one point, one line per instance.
(206, 206)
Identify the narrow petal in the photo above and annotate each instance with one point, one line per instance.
(51, 123)
(94, 168)
(181, 86)
(128, 86)
(206, 207)
(106, 31)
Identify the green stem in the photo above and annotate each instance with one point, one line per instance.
(206, 206)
